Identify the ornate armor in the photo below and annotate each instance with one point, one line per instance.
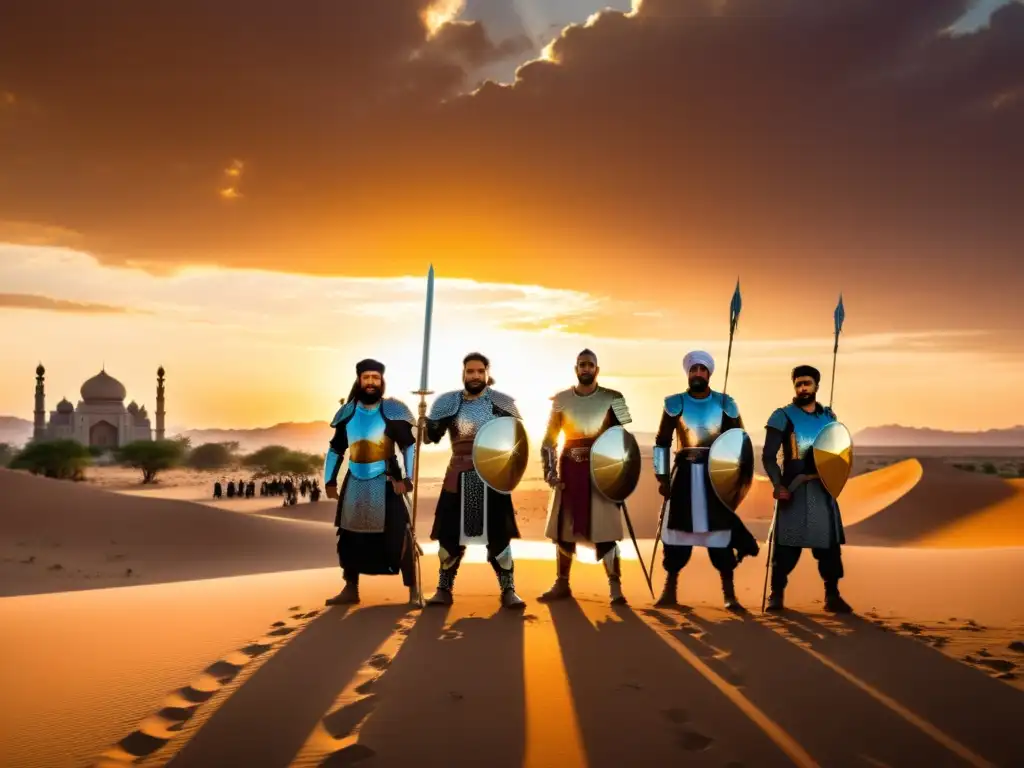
(582, 418)
(698, 423)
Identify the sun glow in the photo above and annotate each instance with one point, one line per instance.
(439, 13)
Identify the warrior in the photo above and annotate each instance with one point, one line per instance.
(217, 490)
(374, 536)
(807, 516)
(695, 515)
(469, 511)
(578, 513)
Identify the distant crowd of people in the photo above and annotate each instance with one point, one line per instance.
(275, 487)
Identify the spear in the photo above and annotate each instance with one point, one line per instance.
(734, 315)
(838, 316)
(422, 420)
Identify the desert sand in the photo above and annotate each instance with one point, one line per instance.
(216, 650)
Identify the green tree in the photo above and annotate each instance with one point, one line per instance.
(7, 453)
(279, 460)
(62, 459)
(211, 456)
(152, 456)
(989, 468)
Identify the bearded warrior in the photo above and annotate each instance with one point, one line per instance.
(695, 515)
(807, 516)
(468, 511)
(578, 513)
(373, 518)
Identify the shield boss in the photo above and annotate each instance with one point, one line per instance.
(833, 457)
(615, 464)
(500, 453)
(731, 467)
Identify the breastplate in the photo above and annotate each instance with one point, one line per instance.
(700, 421)
(472, 415)
(368, 446)
(806, 427)
(585, 417)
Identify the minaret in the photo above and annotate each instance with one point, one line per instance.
(39, 424)
(160, 403)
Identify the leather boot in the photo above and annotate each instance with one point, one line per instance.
(776, 601)
(834, 602)
(613, 567)
(348, 596)
(445, 585)
(560, 589)
(729, 593)
(668, 594)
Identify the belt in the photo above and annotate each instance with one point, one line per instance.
(579, 453)
(693, 455)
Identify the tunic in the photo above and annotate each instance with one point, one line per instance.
(372, 519)
(811, 518)
(579, 513)
(468, 512)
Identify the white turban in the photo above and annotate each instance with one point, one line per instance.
(698, 357)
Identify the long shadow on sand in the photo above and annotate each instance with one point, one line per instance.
(267, 720)
(620, 672)
(453, 696)
(838, 710)
(982, 714)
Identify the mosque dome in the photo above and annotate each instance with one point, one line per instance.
(40, 370)
(103, 388)
(160, 371)
(65, 406)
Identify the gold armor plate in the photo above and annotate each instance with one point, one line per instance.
(615, 464)
(731, 467)
(500, 453)
(833, 457)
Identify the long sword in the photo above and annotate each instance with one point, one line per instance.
(422, 421)
(636, 547)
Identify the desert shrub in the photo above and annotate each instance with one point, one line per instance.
(7, 454)
(279, 460)
(62, 459)
(989, 468)
(212, 456)
(152, 456)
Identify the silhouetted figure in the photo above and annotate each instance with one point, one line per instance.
(217, 490)
(231, 489)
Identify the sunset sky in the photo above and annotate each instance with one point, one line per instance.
(250, 195)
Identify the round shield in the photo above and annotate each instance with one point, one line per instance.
(731, 466)
(500, 453)
(615, 464)
(833, 457)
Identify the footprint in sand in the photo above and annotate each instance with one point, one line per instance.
(676, 715)
(379, 661)
(692, 741)
(1017, 646)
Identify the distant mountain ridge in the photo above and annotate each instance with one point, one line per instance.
(896, 435)
(312, 436)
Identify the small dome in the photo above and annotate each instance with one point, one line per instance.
(40, 370)
(133, 407)
(160, 371)
(103, 387)
(64, 406)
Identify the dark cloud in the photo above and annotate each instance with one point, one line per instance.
(827, 144)
(31, 301)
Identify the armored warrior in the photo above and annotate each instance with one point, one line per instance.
(807, 517)
(374, 537)
(695, 516)
(577, 512)
(468, 511)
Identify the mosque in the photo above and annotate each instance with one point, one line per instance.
(101, 418)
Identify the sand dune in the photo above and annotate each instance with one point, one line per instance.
(253, 671)
(947, 507)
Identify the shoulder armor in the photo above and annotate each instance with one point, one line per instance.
(344, 413)
(619, 407)
(395, 410)
(446, 405)
(674, 405)
(559, 399)
(729, 406)
(830, 413)
(778, 419)
(505, 402)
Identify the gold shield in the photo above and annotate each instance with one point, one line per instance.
(731, 467)
(500, 453)
(833, 457)
(615, 464)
